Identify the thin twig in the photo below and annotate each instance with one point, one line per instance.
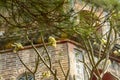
(24, 63)
(49, 58)
(36, 64)
(62, 68)
(42, 59)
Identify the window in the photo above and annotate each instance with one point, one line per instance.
(79, 65)
(26, 76)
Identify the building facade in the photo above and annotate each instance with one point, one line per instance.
(69, 53)
(66, 51)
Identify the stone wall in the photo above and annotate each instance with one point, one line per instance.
(113, 68)
(11, 67)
